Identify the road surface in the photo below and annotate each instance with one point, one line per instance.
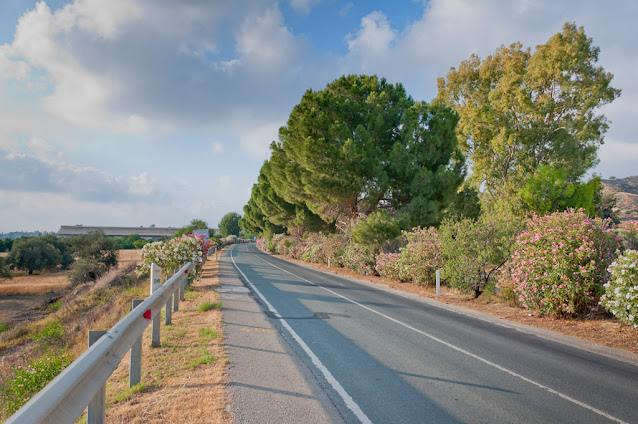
(356, 353)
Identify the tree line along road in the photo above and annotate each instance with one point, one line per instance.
(376, 356)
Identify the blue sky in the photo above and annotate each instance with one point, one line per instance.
(139, 112)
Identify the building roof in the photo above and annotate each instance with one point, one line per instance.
(76, 230)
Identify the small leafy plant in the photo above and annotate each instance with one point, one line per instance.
(621, 292)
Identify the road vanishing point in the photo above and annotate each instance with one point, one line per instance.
(306, 346)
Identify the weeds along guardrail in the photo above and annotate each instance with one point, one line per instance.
(83, 383)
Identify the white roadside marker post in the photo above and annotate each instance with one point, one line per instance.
(438, 282)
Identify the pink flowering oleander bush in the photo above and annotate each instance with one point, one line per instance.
(560, 262)
(417, 262)
(621, 292)
(277, 244)
(630, 234)
(262, 243)
(359, 258)
(388, 264)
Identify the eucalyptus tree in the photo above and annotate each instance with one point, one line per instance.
(522, 113)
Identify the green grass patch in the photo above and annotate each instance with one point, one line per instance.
(24, 382)
(207, 306)
(205, 359)
(191, 295)
(130, 392)
(54, 307)
(3, 327)
(208, 334)
(52, 332)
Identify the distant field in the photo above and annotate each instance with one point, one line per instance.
(51, 281)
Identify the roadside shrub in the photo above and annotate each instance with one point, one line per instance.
(359, 258)
(560, 262)
(24, 382)
(312, 254)
(276, 243)
(417, 261)
(473, 250)
(621, 292)
(388, 265)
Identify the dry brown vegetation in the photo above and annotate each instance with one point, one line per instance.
(599, 329)
(182, 381)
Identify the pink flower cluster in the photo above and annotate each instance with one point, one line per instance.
(560, 262)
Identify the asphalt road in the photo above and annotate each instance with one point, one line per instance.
(369, 355)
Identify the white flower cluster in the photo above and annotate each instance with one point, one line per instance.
(171, 255)
(621, 292)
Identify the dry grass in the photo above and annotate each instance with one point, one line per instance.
(603, 330)
(54, 281)
(183, 380)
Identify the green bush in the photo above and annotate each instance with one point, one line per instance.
(473, 250)
(52, 333)
(621, 292)
(24, 382)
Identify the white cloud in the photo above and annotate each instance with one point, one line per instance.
(374, 37)
(23, 173)
(42, 149)
(264, 42)
(303, 6)
(143, 185)
(80, 96)
(257, 138)
(217, 147)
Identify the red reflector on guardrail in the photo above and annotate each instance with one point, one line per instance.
(147, 314)
(186, 272)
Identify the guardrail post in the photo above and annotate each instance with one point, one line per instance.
(156, 283)
(168, 313)
(96, 409)
(182, 284)
(438, 282)
(135, 364)
(176, 300)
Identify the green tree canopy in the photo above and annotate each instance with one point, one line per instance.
(97, 248)
(63, 246)
(195, 224)
(363, 144)
(229, 225)
(520, 111)
(34, 254)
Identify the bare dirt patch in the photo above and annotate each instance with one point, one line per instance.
(602, 330)
(184, 380)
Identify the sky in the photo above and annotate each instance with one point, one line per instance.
(140, 112)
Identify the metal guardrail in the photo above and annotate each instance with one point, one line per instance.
(82, 382)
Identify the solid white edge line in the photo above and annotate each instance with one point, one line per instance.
(350, 403)
(451, 346)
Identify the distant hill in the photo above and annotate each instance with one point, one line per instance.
(625, 190)
(17, 234)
